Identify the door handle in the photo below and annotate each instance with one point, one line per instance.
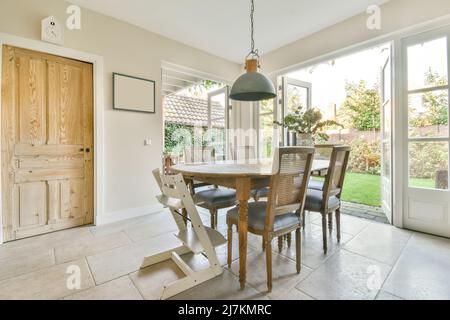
(85, 150)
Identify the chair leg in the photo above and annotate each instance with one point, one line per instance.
(263, 244)
(280, 244)
(269, 262)
(304, 219)
(338, 224)
(289, 239)
(216, 220)
(324, 232)
(212, 221)
(330, 221)
(230, 244)
(298, 251)
(213, 213)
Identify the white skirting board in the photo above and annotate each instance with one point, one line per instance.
(128, 214)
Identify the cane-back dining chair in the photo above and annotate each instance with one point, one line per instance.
(328, 199)
(282, 213)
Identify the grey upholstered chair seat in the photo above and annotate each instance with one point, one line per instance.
(214, 197)
(315, 184)
(314, 200)
(199, 184)
(260, 193)
(257, 217)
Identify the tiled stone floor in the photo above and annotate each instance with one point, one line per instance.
(373, 261)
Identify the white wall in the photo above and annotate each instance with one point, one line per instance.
(129, 186)
(395, 15)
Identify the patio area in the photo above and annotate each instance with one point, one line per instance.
(364, 211)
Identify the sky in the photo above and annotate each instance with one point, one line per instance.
(328, 79)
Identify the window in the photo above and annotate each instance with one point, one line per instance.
(266, 128)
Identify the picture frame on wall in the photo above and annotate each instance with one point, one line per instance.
(133, 93)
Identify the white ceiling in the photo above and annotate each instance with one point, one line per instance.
(221, 27)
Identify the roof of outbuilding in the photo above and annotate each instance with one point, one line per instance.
(191, 111)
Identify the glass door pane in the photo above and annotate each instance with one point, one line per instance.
(428, 114)
(296, 94)
(427, 61)
(218, 121)
(266, 128)
(428, 104)
(428, 161)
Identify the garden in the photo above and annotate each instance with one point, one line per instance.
(360, 115)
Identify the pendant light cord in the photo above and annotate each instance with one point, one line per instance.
(252, 23)
(253, 52)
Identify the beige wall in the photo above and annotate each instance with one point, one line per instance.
(396, 15)
(125, 49)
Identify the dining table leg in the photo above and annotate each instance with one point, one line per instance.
(243, 195)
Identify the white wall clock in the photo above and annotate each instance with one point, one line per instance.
(52, 31)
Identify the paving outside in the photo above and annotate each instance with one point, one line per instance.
(364, 211)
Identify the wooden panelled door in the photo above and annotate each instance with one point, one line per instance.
(47, 143)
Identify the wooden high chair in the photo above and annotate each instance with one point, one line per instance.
(196, 239)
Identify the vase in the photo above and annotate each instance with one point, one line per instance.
(305, 140)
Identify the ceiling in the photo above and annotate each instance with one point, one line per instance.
(221, 27)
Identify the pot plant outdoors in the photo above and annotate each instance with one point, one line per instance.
(307, 125)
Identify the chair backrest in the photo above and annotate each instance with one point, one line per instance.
(243, 152)
(288, 184)
(199, 154)
(175, 195)
(334, 179)
(323, 151)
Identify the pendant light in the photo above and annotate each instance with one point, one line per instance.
(252, 86)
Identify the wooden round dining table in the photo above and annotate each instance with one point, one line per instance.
(243, 176)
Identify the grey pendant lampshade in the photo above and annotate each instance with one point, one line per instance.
(252, 86)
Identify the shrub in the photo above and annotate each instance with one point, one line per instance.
(364, 157)
(425, 158)
(178, 137)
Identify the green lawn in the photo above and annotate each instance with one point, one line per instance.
(365, 188)
(362, 188)
(422, 183)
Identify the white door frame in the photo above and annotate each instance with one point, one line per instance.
(439, 197)
(285, 81)
(387, 63)
(97, 61)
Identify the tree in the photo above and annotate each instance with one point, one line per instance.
(201, 89)
(361, 108)
(432, 107)
(436, 102)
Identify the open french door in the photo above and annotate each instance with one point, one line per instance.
(295, 93)
(218, 118)
(426, 131)
(386, 133)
